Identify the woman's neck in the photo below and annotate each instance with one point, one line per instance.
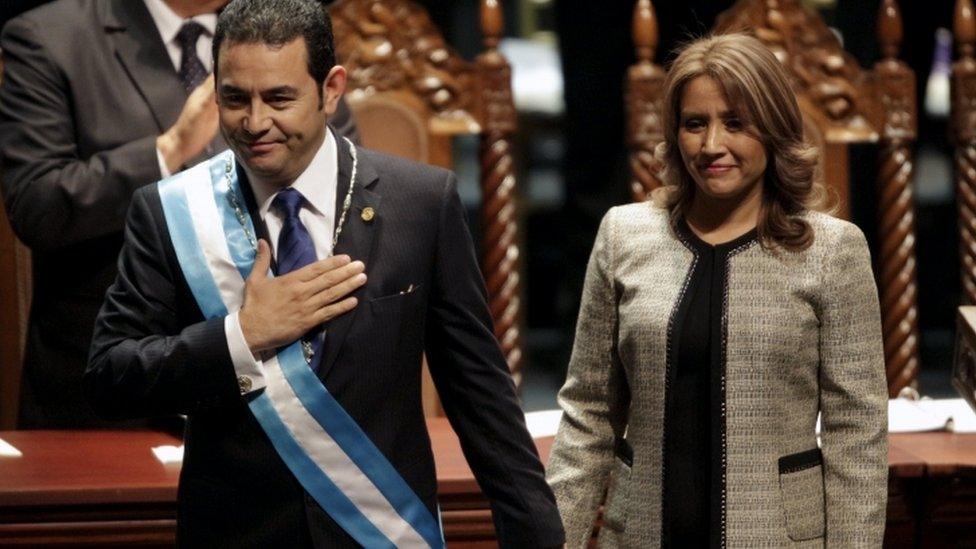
(719, 221)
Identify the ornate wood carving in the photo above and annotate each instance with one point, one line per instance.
(964, 132)
(499, 213)
(389, 45)
(392, 46)
(896, 207)
(644, 96)
(824, 75)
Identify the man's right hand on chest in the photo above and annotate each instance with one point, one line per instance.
(278, 311)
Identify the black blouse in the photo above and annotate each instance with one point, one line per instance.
(692, 506)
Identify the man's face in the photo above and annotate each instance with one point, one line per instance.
(272, 113)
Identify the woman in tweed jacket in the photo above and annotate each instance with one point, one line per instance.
(717, 321)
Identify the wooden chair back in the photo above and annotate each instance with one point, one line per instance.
(963, 123)
(411, 95)
(15, 296)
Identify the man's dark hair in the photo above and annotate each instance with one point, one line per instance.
(276, 23)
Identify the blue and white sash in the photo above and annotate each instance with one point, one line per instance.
(322, 445)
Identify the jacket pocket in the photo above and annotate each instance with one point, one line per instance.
(801, 486)
(618, 494)
(405, 292)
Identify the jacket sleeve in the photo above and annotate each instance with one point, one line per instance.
(143, 362)
(477, 392)
(594, 400)
(54, 196)
(853, 397)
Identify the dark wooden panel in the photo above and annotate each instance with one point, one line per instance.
(105, 488)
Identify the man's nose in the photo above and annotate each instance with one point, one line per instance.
(258, 119)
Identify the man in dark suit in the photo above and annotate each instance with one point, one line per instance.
(97, 99)
(186, 329)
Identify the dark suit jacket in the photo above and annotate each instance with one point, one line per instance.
(153, 353)
(87, 87)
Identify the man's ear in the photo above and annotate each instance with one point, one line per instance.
(333, 88)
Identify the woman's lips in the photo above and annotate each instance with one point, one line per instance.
(717, 169)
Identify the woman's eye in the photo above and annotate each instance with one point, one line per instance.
(734, 124)
(694, 124)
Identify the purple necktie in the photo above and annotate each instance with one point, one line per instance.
(296, 250)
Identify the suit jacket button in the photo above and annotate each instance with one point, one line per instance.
(244, 383)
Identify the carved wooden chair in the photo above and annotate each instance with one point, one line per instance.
(15, 294)
(842, 104)
(963, 121)
(411, 94)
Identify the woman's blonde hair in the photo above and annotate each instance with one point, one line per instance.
(757, 86)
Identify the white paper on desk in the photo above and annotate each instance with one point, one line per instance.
(544, 423)
(911, 416)
(7, 450)
(168, 454)
(961, 417)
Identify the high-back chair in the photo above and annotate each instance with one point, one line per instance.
(15, 296)
(842, 104)
(411, 94)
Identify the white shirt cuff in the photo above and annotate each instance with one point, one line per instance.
(250, 376)
(163, 170)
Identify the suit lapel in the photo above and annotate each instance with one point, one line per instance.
(356, 241)
(143, 56)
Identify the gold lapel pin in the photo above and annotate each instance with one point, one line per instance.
(368, 214)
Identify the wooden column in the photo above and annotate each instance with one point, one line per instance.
(964, 132)
(499, 220)
(896, 265)
(644, 93)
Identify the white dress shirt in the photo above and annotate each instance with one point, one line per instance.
(318, 185)
(168, 23)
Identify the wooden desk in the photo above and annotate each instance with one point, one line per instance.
(937, 508)
(105, 488)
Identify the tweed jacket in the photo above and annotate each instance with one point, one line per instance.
(801, 337)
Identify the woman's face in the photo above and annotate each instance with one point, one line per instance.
(720, 150)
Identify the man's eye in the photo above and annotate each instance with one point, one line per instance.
(233, 99)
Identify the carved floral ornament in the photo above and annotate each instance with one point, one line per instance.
(824, 75)
(393, 45)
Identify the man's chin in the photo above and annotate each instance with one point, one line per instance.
(260, 167)
(258, 163)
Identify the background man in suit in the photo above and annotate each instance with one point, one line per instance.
(98, 98)
(404, 267)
